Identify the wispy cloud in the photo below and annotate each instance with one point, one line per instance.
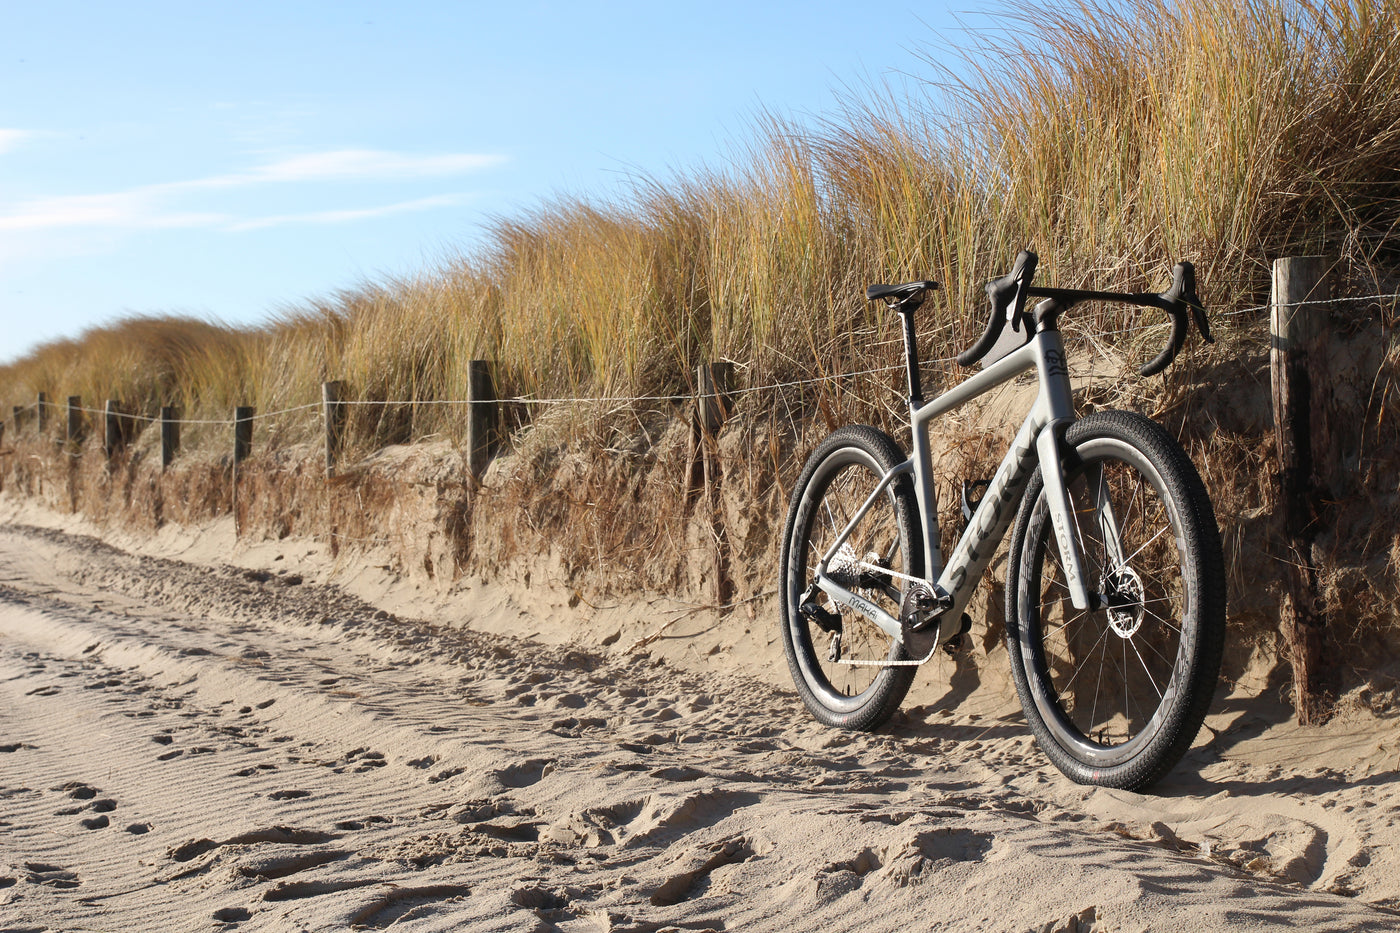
(157, 206)
(10, 140)
(371, 164)
(130, 209)
(344, 216)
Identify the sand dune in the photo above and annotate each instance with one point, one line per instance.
(200, 746)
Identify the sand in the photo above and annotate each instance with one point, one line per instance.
(197, 734)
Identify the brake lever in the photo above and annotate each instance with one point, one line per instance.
(1008, 298)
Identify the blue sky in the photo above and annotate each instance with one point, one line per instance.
(231, 159)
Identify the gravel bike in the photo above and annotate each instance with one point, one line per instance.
(1115, 582)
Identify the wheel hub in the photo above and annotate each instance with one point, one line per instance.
(1123, 594)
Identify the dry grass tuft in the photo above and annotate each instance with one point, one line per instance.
(1114, 139)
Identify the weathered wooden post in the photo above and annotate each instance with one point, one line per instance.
(42, 407)
(482, 408)
(75, 420)
(1301, 399)
(713, 404)
(243, 432)
(335, 422)
(715, 383)
(169, 435)
(114, 438)
(242, 449)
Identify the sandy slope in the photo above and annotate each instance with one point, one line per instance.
(190, 746)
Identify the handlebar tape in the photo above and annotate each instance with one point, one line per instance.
(1181, 303)
(1008, 298)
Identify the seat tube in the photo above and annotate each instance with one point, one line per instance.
(925, 495)
(921, 454)
(1058, 403)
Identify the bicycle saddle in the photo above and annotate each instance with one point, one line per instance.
(895, 294)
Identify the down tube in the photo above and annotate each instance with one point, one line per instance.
(989, 523)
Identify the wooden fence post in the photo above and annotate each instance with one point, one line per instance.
(713, 404)
(715, 382)
(242, 449)
(75, 420)
(243, 432)
(481, 417)
(335, 422)
(1301, 392)
(114, 438)
(169, 435)
(42, 406)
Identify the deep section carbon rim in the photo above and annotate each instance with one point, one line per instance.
(1106, 679)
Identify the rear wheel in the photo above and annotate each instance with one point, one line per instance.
(1116, 694)
(837, 656)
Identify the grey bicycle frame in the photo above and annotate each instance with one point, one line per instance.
(1037, 442)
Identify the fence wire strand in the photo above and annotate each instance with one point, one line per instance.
(634, 399)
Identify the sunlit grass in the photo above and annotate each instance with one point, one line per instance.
(1113, 140)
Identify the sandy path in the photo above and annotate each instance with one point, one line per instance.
(197, 748)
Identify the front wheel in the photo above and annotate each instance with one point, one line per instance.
(840, 659)
(1115, 694)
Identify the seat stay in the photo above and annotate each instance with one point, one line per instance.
(885, 482)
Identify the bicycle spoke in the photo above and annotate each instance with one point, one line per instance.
(1150, 678)
(1165, 622)
(1161, 531)
(1086, 659)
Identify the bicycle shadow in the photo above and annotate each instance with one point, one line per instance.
(940, 717)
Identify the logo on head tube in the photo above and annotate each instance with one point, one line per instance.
(1055, 364)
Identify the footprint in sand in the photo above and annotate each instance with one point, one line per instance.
(288, 794)
(232, 914)
(78, 790)
(268, 866)
(359, 761)
(51, 876)
(445, 774)
(525, 773)
(390, 906)
(355, 825)
(690, 880)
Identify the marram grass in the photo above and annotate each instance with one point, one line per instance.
(1112, 139)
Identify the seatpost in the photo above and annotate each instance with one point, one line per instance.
(911, 353)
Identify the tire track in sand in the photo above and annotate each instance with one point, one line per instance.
(200, 748)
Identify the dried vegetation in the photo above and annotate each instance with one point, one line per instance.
(1114, 139)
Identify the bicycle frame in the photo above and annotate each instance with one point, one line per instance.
(1037, 442)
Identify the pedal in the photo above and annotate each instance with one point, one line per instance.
(822, 617)
(969, 505)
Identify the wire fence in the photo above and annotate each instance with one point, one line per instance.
(619, 399)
